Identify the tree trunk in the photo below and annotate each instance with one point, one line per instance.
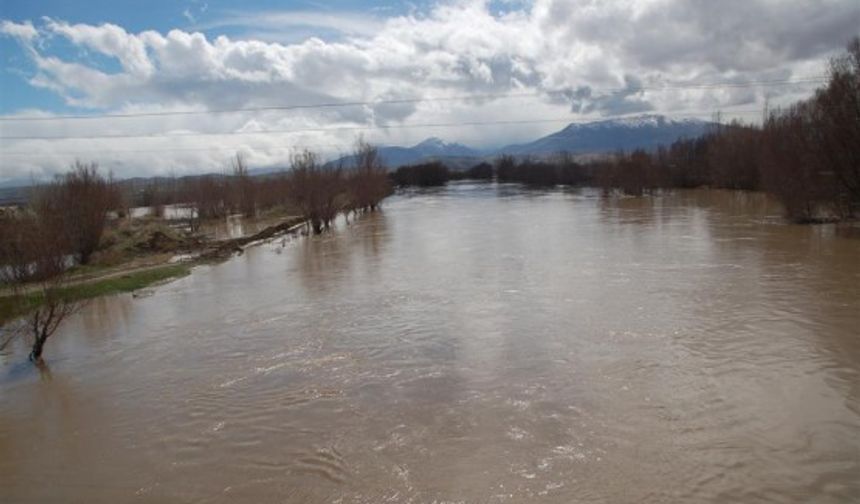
(36, 352)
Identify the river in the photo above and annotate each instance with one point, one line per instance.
(474, 343)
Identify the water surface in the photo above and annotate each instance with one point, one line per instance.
(476, 343)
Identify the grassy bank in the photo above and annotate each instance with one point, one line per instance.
(11, 307)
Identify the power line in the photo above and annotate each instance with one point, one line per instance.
(328, 129)
(404, 101)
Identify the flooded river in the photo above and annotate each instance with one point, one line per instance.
(474, 344)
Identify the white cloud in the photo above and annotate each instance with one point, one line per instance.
(109, 40)
(606, 57)
(23, 31)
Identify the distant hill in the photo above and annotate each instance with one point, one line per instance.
(640, 132)
(432, 149)
(581, 139)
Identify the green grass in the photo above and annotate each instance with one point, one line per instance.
(11, 307)
(87, 269)
(125, 283)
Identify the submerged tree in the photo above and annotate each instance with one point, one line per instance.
(244, 191)
(33, 255)
(316, 190)
(44, 321)
(428, 174)
(368, 180)
(789, 165)
(838, 127)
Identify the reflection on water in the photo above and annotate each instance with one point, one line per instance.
(476, 343)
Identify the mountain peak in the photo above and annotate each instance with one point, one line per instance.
(646, 131)
(638, 121)
(435, 146)
(433, 142)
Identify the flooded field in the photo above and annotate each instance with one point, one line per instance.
(475, 344)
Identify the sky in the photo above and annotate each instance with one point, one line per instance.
(176, 87)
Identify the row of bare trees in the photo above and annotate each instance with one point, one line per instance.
(807, 155)
(317, 191)
(214, 196)
(64, 223)
(322, 192)
(811, 151)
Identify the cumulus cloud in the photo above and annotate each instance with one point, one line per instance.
(109, 40)
(573, 58)
(25, 31)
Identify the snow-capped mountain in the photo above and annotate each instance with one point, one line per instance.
(628, 133)
(638, 132)
(434, 146)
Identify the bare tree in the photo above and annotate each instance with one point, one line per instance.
(316, 190)
(35, 252)
(207, 194)
(44, 321)
(31, 249)
(791, 164)
(78, 204)
(733, 157)
(243, 192)
(368, 180)
(272, 191)
(838, 131)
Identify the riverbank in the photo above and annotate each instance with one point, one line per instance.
(12, 307)
(140, 272)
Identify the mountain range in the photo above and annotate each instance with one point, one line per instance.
(639, 132)
(431, 149)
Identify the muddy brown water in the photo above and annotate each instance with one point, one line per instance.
(476, 343)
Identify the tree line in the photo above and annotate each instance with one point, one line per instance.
(315, 190)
